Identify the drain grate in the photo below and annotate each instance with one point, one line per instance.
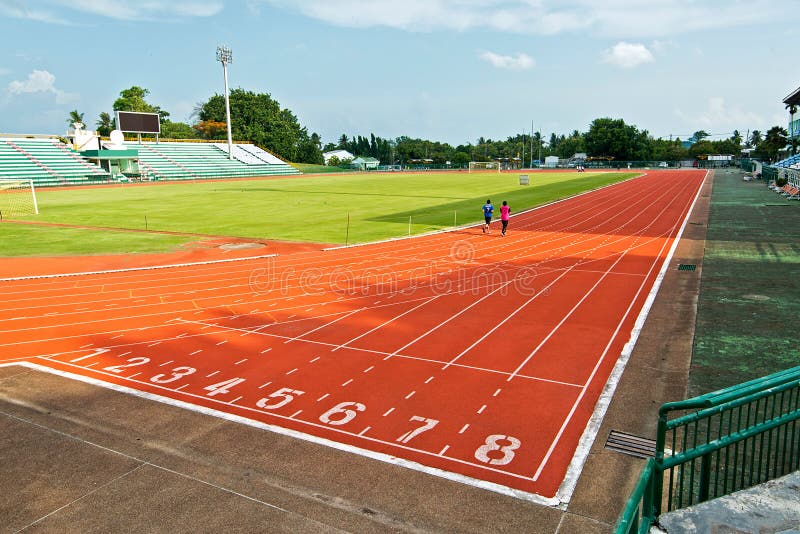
(686, 267)
(631, 445)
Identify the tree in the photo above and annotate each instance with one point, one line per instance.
(698, 136)
(75, 116)
(310, 150)
(755, 138)
(212, 129)
(612, 137)
(104, 124)
(177, 130)
(261, 120)
(133, 99)
(774, 141)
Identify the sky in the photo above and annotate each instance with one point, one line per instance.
(444, 70)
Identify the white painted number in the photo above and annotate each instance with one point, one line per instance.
(221, 388)
(132, 362)
(177, 374)
(491, 445)
(411, 434)
(97, 352)
(286, 395)
(342, 408)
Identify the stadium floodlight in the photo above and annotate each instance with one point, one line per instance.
(225, 56)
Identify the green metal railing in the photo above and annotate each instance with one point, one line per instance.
(732, 439)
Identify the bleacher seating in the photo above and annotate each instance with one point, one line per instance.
(174, 161)
(47, 161)
(791, 161)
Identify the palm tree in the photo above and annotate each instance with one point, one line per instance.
(104, 124)
(755, 138)
(775, 140)
(74, 116)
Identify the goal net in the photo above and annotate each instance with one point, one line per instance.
(17, 198)
(484, 166)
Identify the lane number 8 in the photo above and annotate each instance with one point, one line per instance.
(492, 444)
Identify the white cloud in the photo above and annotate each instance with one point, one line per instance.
(3, 71)
(622, 19)
(628, 55)
(39, 81)
(720, 117)
(28, 11)
(57, 11)
(520, 62)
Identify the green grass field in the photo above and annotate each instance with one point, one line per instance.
(316, 208)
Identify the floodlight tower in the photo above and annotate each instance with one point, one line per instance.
(225, 56)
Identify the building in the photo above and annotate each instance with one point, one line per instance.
(341, 155)
(365, 163)
(792, 103)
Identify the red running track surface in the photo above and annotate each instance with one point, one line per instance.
(476, 357)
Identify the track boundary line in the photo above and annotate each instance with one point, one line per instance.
(383, 457)
(129, 269)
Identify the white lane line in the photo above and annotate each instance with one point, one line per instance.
(364, 431)
(463, 428)
(385, 323)
(166, 363)
(292, 371)
(180, 388)
(266, 350)
(196, 352)
(262, 386)
(212, 374)
(566, 317)
(368, 369)
(295, 414)
(444, 450)
(482, 408)
(415, 358)
(496, 393)
(390, 410)
(315, 359)
(324, 397)
(324, 325)
(240, 361)
(348, 382)
(428, 381)
(410, 395)
(463, 311)
(97, 352)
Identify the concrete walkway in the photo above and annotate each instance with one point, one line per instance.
(771, 508)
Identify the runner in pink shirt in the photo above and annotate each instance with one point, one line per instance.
(505, 212)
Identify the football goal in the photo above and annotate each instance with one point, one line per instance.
(17, 198)
(484, 166)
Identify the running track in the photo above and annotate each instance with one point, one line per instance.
(475, 357)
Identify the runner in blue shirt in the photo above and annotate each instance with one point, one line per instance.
(487, 216)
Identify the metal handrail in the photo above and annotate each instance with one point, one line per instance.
(757, 421)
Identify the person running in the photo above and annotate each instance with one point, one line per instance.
(488, 209)
(505, 212)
